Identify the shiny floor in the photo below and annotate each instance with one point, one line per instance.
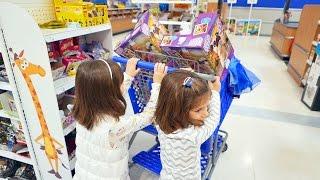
(272, 135)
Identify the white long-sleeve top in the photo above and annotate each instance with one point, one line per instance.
(180, 151)
(102, 153)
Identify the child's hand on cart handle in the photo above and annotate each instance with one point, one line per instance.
(131, 69)
(160, 70)
(215, 85)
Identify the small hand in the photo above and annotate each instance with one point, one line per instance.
(187, 69)
(131, 68)
(216, 85)
(160, 70)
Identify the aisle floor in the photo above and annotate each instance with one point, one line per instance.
(272, 135)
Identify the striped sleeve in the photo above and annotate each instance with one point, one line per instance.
(211, 122)
(129, 124)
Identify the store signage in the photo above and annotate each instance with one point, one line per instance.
(231, 1)
(252, 1)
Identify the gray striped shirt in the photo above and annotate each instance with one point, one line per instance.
(180, 151)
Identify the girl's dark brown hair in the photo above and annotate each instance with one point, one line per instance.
(96, 94)
(175, 100)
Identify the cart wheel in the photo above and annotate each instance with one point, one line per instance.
(225, 148)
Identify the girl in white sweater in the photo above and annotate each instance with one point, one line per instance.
(187, 114)
(102, 129)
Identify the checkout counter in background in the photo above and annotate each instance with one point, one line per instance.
(282, 38)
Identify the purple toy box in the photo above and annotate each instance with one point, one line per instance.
(195, 46)
(146, 36)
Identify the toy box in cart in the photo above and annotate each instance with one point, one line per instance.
(202, 45)
(146, 36)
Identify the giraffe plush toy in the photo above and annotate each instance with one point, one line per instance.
(46, 141)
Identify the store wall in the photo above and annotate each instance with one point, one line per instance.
(267, 15)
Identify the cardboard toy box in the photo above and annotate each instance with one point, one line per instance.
(195, 46)
(146, 36)
(201, 45)
(75, 13)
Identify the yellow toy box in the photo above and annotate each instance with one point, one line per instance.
(69, 2)
(86, 14)
(75, 13)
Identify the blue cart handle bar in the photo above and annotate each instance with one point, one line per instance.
(150, 66)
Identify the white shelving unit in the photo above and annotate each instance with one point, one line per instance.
(169, 22)
(64, 84)
(6, 115)
(5, 86)
(161, 1)
(51, 35)
(21, 33)
(16, 157)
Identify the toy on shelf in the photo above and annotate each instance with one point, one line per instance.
(3, 72)
(10, 169)
(65, 57)
(65, 104)
(12, 138)
(53, 25)
(85, 13)
(96, 50)
(7, 104)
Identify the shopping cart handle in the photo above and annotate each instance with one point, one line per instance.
(141, 64)
(150, 66)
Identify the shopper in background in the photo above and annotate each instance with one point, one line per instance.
(188, 111)
(102, 128)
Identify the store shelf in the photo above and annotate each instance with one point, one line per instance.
(64, 84)
(70, 128)
(73, 163)
(128, 8)
(5, 86)
(9, 116)
(161, 1)
(15, 156)
(168, 22)
(51, 35)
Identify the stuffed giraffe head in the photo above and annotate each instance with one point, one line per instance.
(25, 66)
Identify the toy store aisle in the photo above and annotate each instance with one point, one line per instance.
(272, 135)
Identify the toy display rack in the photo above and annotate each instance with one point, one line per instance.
(20, 34)
(169, 22)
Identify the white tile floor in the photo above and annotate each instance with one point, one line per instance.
(272, 135)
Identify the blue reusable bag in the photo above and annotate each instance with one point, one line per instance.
(241, 79)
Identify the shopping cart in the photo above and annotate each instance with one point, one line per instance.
(140, 94)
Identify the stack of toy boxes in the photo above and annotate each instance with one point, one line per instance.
(198, 45)
(85, 13)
